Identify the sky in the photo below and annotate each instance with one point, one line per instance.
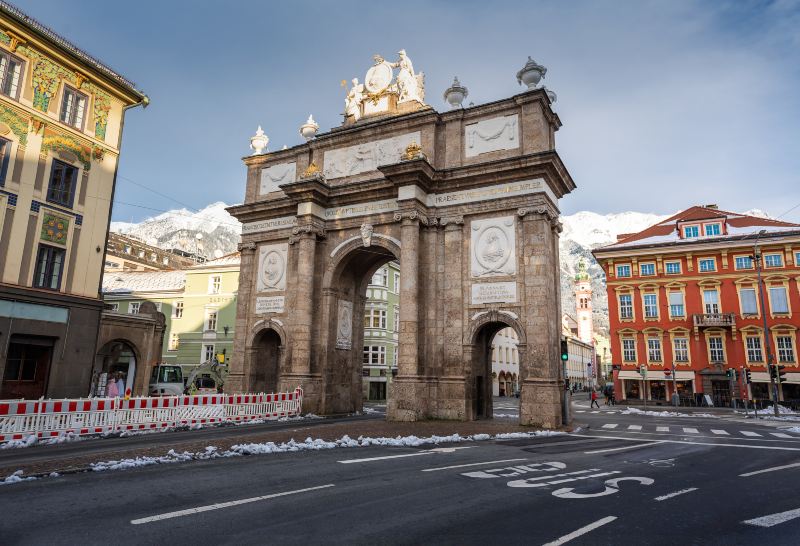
(664, 104)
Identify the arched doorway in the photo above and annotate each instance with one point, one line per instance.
(496, 361)
(357, 302)
(266, 360)
(114, 361)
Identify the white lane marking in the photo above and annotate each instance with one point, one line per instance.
(662, 429)
(621, 448)
(693, 443)
(794, 439)
(774, 519)
(595, 411)
(675, 494)
(691, 430)
(718, 431)
(582, 531)
(470, 464)
(781, 435)
(749, 433)
(580, 411)
(771, 469)
(634, 427)
(526, 482)
(416, 454)
(610, 425)
(220, 505)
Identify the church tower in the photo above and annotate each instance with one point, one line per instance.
(583, 304)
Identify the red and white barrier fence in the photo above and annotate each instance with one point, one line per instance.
(20, 419)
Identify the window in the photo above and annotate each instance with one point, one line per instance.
(63, 178)
(650, 306)
(174, 342)
(394, 354)
(73, 108)
(785, 349)
(676, 304)
(797, 259)
(133, 307)
(673, 268)
(153, 256)
(654, 349)
(10, 75)
(141, 253)
(625, 306)
(396, 320)
(707, 264)
(773, 260)
(712, 229)
(381, 277)
(5, 153)
(397, 282)
(374, 355)
(743, 262)
(49, 266)
(113, 307)
(753, 345)
(711, 301)
(715, 349)
(177, 309)
(208, 353)
(777, 299)
(375, 318)
(128, 249)
(647, 270)
(690, 232)
(211, 321)
(165, 260)
(680, 347)
(214, 284)
(623, 271)
(749, 302)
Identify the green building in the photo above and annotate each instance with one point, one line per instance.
(198, 303)
(381, 326)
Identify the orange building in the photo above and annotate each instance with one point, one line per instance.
(685, 303)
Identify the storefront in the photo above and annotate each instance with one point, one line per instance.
(656, 386)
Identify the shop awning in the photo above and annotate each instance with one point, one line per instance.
(656, 375)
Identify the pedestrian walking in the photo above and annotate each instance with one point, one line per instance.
(607, 395)
(594, 400)
(111, 387)
(120, 384)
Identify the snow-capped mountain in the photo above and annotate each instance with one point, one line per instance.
(179, 229)
(583, 231)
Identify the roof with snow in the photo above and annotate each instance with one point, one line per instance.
(735, 226)
(234, 258)
(143, 281)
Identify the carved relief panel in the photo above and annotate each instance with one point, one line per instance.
(493, 247)
(344, 325)
(272, 267)
(366, 157)
(501, 133)
(275, 175)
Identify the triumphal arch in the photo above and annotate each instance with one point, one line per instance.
(465, 201)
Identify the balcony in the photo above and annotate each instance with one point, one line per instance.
(715, 320)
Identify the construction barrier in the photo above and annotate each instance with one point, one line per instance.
(20, 419)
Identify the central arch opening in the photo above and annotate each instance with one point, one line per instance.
(496, 372)
(365, 301)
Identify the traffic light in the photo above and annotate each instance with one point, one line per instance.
(564, 350)
(729, 373)
(747, 376)
(735, 374)
(781, 373)
(773, 372)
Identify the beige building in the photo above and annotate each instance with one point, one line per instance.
(61, 117)
(125, 253)
(505, 363)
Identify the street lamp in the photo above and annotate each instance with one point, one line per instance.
(772, 384)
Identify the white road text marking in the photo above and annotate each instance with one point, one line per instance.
(418, 453)
(471, 464)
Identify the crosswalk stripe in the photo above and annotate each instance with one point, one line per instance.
(662, 429)
(610, 425)
(690, 430)
(595, 411)
(749, 433)
(634, 427)
(717, 431)
(781, 435)
(580, 411)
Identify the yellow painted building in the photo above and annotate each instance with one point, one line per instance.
(61, 119)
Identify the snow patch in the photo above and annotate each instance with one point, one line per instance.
(16, 477)
(636, 411)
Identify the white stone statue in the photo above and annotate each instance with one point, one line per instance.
(408, 84)
(352, 103)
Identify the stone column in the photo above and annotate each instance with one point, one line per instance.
(240, 377)
(452, 387)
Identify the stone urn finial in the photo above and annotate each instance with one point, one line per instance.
(455, 94)
(309, 129)
(550, 95)
(259, 141)
(531, 74)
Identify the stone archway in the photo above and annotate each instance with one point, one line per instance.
(266, 352)
(466, 202)
(118, 358)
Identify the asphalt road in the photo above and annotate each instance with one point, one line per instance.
(673, 480)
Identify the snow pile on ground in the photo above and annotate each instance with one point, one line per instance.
(172, 456)
(16, 477)
(796, 430)
(782, 410)
(514, 415)
(32, 440)
(636, 411)
(371, 411)
(25, 442)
